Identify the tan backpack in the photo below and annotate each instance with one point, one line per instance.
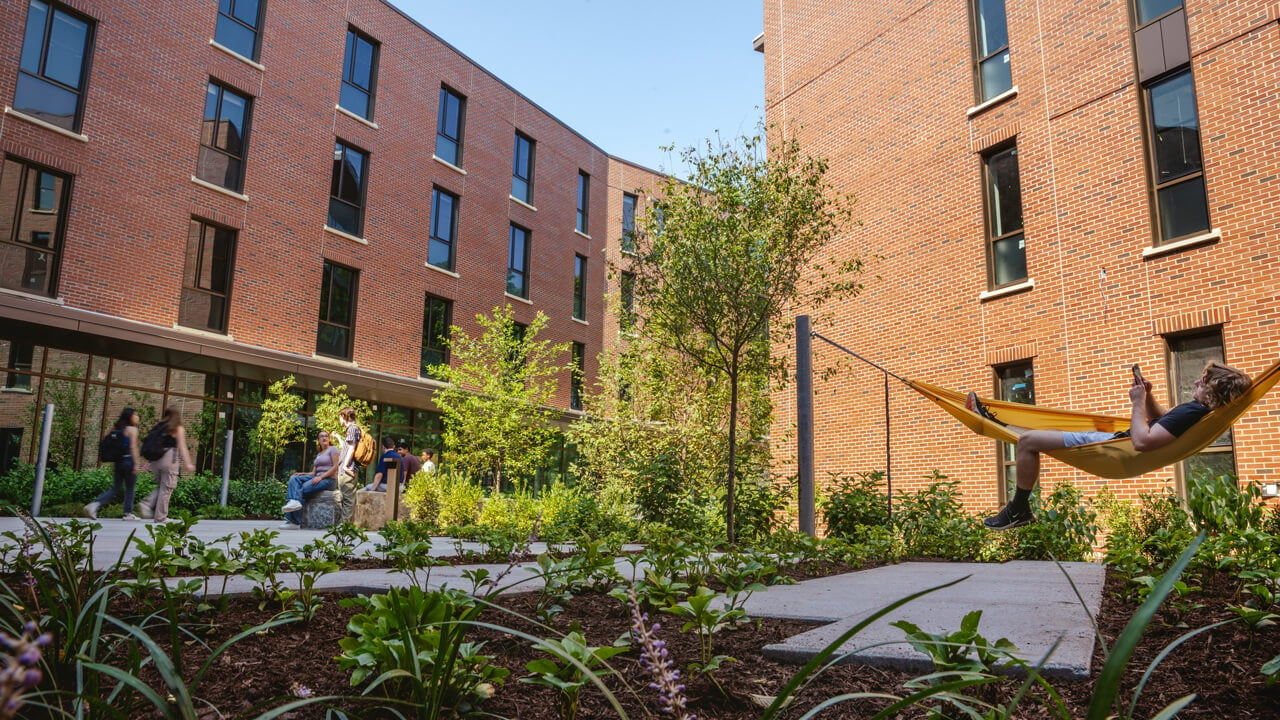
(364, 451)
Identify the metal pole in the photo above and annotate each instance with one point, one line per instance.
(804, 423)
(888, 456)
(43, 460)
(226, 467)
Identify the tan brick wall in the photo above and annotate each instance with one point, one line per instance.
(883, 92)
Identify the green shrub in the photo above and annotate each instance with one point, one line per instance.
(586, 516)
(856, 504)
(218, 512)
(444, 498)
(514, 513)
(758, 507)
(933, 523)
(259, 498)
(1147, 538)
(1066, 528)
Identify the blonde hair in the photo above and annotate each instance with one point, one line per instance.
(1223, 383)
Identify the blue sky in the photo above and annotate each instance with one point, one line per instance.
(629, 76)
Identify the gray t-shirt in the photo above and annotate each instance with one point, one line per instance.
(352, 439)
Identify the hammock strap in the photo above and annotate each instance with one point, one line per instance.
(838, 346)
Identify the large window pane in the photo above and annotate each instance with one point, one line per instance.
(31, 226)
(358, 71)
(1188, 356)
(1184, 209)
(1149, 10)
(347, 190)
(449, 127)
(522, 169)
(1016, 384)
(1007, 253)
(517, 259)
(337, 311)
(444, 223)
(55, 51)
(237, 27)
(1010, 256)
(991, 48)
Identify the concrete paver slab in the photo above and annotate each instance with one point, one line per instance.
(1030, 603)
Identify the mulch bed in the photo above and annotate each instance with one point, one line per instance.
(1219, 666)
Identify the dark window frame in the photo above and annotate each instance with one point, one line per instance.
(1139, 23)
(626, 301)
(577, 374)
(1158, 187)
(237, 184)
(1006, 452)
(583, 216)
(1182, 373)
(21, 365)
(226, 9)
(193, 269)
(434, 239)
(977, 22)
(27, 238)
(521, 272)
(341, 149)
(326, 295)
(523, 182)
(992, 217)
(452, 136)
(433, 307)
(349, 81)
(630, 202)
(38, 74)
(579, 286)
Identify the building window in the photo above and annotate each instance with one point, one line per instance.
(238, 23)
(346, 201)
(1006, 246)
(1181, 204)
(436, 316)
(224, 137)
(209, 266)
(518, 263)
(628, 222)
(584, 201)
(54, 65)
(627, 296)
(1148, 10)
(444, 226)
(337, 311)
(31, 228)
(577, 372)
(449, 124)
(990, 49)
(21, 358)
(579, 287)
(1016, 383)
(359, 72)
(1188, 354)
(522, 169)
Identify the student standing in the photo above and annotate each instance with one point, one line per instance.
(126, 474)
(348, 468)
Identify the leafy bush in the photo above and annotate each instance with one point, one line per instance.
(218, 512)
(933, 523)
(758, 506)
(444, 498)
(515, 513)
(1065, 528)
(1146, 539)
(61, 487)
(259, 498)
(856, 504)
(586, 516)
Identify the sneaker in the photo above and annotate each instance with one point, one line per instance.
(145, 510)
(973, 404)
(130, 517)
(1009, 518)
(92, 510)
(290, 526)
(291, 506)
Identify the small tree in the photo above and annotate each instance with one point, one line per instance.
(734, 248)
(496, 414)
(331, 403)
(280, 423)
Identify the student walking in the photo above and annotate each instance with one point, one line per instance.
(173, 439)
(126, 464)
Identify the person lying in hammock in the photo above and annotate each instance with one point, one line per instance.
(1151, 427)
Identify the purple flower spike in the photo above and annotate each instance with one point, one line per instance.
(655, 659)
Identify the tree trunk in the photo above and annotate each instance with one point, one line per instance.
(730, 532)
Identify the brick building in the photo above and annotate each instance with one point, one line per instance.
(1049, 192)
(201, 200)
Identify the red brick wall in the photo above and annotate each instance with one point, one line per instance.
(133, 196)
(883, 92)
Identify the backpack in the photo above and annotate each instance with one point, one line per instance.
(153, 444)
(113, 447)
(364, 451)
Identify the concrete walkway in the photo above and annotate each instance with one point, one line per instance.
(1032, 604)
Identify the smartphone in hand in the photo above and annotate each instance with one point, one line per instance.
(1137, 374)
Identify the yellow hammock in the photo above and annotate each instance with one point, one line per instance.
(1110, 458)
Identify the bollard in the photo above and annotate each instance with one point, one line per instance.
(226, 467)
(43, 462)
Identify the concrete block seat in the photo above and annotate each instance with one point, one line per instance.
(321, 510)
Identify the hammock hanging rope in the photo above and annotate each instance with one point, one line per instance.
(1113, 459)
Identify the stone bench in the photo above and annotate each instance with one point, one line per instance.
(320, 511)
(374, 509)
